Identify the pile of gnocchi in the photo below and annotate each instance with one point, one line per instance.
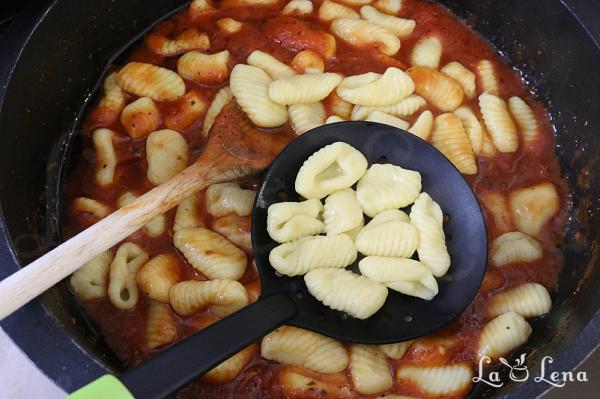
(388, 240)
(285, 67)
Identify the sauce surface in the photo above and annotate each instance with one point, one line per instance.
(265, 29)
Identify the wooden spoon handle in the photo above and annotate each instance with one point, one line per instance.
(29, 282)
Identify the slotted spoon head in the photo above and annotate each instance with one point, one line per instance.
(402, 317)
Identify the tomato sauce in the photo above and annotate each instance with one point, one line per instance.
(266, 30)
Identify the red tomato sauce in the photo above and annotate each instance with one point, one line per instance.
(282, 37)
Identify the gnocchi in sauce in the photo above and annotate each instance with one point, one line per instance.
(288, 66)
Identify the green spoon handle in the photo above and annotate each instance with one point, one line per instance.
(106, 387)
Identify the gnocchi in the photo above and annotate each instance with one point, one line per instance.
(515, 247)
(210, 253)
(386, 187)
(287, 221)
(223, 297)
(334, 167)
(291, 345)
(147, 80)
(250, 87)
(345, 291)
(426, 216)
(167, 155)
(309, 253)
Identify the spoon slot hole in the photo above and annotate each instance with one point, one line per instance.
(382, 159)
(408, 318)
(448, 277)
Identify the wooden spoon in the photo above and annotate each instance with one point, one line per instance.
(235, 149)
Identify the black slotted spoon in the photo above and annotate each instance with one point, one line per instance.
(285, 300)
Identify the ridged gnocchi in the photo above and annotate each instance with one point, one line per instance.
(515, 247)
(221, 99)
(499, 122)
(525, 119)
(528, 300)
(450, 137)
(271, 65)
(405, 107)
(112, 102)
(287, 221)
(406, 276)
(462, 75)
(305, 117)
(487, 77)
(167, 155)
(426, 215)
(309, 253)
(303, 89)
(399, 26)
(362, 33)
(440, 90)
(334, 167)
(342, 212)
(210, 253)
(222, 297)
(147, 80)
(189, 39)
(347, 292)
(392, 238)
(204, 68)
(386, 187)
(472, 126)
(331, 10)
(291, 345)
(161, 328)
(158, 275)
(427, 52)
(224, 198)
(369, 370)
(503, 334)
(376, 90)
(250, 87)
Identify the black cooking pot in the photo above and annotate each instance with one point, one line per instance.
(67, 45)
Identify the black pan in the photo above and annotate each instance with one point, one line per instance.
(544, 40)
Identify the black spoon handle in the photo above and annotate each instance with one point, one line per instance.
(171, 369)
